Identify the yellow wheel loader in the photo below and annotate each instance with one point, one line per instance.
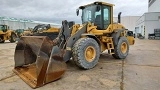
(39, 60)
(22, 32)
(6, 34)
(45, 30)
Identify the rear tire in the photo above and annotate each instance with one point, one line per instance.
(86, 52)
(13, 38)
(121, 49)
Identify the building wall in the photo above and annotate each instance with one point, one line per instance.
(154, 6)
(147, 23)
(152, 22)
(150, 26)
(152, 16)
(24, 25)
(18, 25)
(129, 22)
(140, 26)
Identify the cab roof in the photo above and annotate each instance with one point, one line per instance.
(96, 3)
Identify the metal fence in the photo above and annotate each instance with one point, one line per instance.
(155, 35)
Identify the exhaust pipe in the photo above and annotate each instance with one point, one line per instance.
(119, 17)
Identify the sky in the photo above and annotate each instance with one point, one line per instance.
(57, 10)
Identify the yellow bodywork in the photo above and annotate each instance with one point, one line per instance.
(104, 36)
(51, 30)
(6, 35)
(106, 41)
(131, 40)
(27, 33)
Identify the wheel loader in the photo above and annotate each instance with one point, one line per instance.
(6, 34)
(45, 30)
(22, 32)
(40, 60)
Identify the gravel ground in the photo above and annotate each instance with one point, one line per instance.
(139, 71)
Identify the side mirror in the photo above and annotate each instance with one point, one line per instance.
(77, 11)
(98, 8)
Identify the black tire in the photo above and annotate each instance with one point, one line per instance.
(1, 39)
(117, 49)
(13, 38)
(79, 52)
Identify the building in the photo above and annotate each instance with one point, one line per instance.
(153, 6)
(15, 23)
(147, 23)
(128, 21)
(150, 20)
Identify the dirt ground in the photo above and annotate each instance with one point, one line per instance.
(139, 71)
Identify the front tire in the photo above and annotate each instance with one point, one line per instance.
(86, 52)
(121, 49)
(1, 39)
(13, 38)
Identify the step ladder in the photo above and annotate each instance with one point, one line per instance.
(110, 48)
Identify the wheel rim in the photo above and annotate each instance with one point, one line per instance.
(90, 53)
(124, 47)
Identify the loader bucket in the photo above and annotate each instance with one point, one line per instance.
(37, 61)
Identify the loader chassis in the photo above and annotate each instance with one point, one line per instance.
(83, 43)
(6, 34)
(45, 30)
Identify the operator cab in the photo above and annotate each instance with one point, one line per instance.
(99, 13)
(3, 28)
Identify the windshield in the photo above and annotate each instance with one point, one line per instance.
(88, 14)
(2, 27)
(100, 15)
(19, 30)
